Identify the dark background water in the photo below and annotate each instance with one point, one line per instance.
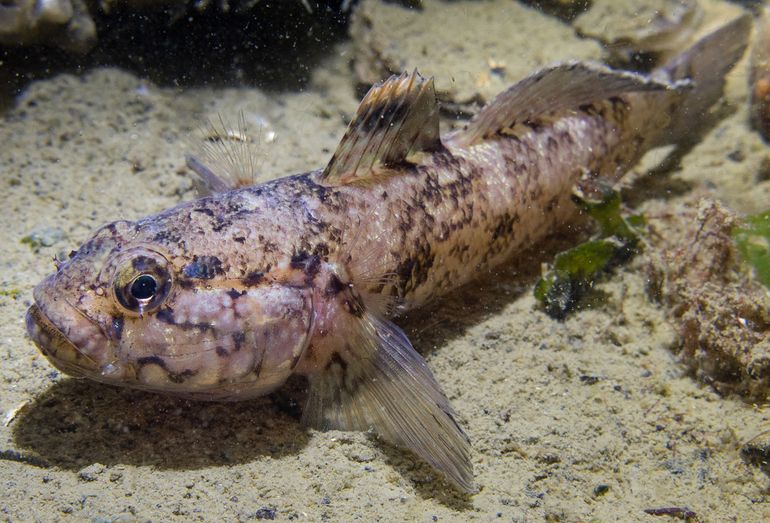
(272, 45)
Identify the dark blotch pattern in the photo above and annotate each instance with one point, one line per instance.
(253, 278)
(174, 377)
(117, 327)
(235, 294)
(203, 268)
(335, 286)
(336, 359)
(239, 338)
(307, 263)
(152, 360)
(166, 315)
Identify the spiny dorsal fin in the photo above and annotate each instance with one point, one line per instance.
(395, 119)
(557, 88)
(227, 157)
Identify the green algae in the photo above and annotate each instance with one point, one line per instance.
(752, 238)
(574, 272)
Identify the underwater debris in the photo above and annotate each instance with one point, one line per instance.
(676, 512)
(575, 270)
(757, 455)
(722, 314)
(43, 237)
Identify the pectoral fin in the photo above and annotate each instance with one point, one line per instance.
(380, 383)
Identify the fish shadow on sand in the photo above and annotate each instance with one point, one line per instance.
(660, 181)
(76, 423)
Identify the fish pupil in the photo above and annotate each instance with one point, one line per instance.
(144, 287)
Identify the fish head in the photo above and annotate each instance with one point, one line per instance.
(130, 311)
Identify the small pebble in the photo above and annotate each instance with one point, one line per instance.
(265, 513)
(43, 237)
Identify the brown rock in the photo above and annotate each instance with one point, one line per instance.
(58, 23)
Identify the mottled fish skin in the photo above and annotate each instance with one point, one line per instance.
(464, 210)
(225, 297)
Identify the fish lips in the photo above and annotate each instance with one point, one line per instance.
(73, 343)
(55, 346)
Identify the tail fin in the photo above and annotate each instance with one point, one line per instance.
(705, 64)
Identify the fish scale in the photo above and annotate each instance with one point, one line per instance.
(227, 296)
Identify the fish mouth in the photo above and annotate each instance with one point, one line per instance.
(55, 346)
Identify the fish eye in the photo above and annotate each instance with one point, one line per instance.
(142, 283)
(143, 287)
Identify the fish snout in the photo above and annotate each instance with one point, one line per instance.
(54, 345)
(71, 341)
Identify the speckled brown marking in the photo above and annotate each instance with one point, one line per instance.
(187, 284)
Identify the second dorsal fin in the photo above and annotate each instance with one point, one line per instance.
(396, 118)
(557, 88)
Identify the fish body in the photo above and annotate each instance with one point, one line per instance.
(225, 297)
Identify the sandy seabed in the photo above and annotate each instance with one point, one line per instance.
(593, 418)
